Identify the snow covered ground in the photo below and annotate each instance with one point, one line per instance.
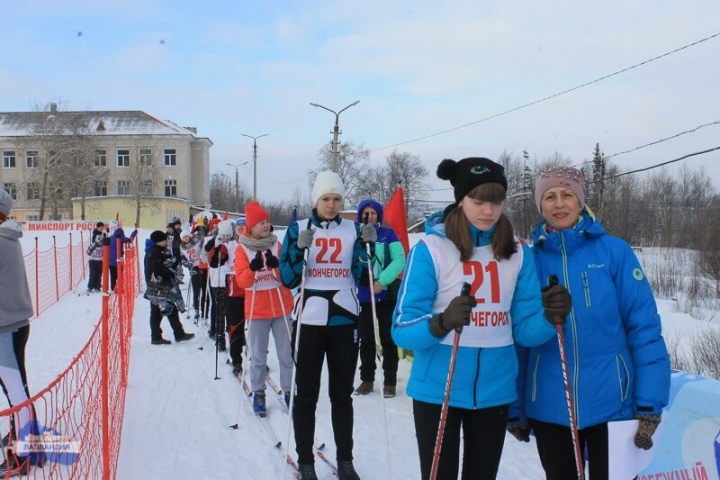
(178, 416)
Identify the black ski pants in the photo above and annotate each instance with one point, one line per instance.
(235, 314)
(217, 315)
(557, 455)
(483, 438)
(368, 350)
(156, 318)
(94, 275)
(339, 344)
(198, 279)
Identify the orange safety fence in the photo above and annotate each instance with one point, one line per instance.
(53, 272)
(76, 421)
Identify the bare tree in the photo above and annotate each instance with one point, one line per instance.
(142, 177)
(222, 192)
(352, 161)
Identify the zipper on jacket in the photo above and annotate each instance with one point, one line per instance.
(586, 287)
(573, 331)
(534, 383)
(624, 389)
(477, 378)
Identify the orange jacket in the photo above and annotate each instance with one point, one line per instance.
(261, 304)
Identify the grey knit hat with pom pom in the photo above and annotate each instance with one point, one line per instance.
(468, 173)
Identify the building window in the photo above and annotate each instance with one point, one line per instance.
(100, 188)
(123, 158)
(100, 158)
(147, 187)
(171, 188)
(11, 188)
(9, 159)
(170, 157)
(31, 159)
(54, 159)
(33, 191)
(145, 157)
(32, 218)
(123, 187)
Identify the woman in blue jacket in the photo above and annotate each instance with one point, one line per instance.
(472, 242)
(617, 359)
(117, 234)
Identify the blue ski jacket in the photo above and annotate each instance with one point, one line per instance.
(484, 377)
(618, 362)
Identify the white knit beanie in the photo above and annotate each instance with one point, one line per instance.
(327, 182)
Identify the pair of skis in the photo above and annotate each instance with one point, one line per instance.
(319, 452)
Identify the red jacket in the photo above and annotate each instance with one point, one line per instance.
(261, 304)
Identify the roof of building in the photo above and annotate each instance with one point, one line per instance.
(21, 124)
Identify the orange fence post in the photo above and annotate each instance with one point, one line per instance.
(71, 262)
(105, 366)
(37, 277)
(57, 281)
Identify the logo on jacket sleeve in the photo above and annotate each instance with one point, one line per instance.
(637, 274)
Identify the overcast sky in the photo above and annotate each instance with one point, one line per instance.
(417, 67)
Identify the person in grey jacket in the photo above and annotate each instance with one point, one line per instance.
(15, 311)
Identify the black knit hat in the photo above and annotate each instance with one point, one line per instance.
(158, 236)
(99, 224)
(468, 173)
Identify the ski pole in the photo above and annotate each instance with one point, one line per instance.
(301, 300)
(378, 343)
(579, 464)
(446, 399)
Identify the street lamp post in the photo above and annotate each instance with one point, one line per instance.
(255, 161)
(237, 183)
(336, 131)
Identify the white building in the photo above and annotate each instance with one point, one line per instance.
(114, 143)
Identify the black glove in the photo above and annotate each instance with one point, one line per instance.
(557, 302)
(646, 428)
(257, 262)
(519, 430)
(455, 316)
(271, 261)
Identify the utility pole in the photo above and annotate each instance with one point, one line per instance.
(255, 161)
(336, 132)
(237, 184)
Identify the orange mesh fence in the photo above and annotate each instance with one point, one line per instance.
(76, 421)
(55, 271)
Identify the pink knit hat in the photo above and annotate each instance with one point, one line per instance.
(567, 177)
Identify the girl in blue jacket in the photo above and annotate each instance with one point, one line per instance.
(618, 363)
(472, 242)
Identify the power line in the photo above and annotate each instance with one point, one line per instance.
(605, 77)
(663, 139)
(657, 165)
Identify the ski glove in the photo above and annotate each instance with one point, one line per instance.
(557, 302)
(271, 261)
(647, 426)
(455, 316)
(257, 262)
(305, 238)
(368, 234)
(520, 430)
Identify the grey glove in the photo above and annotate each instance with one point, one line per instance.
(455, 316)
(305, 238)
(520, 430)
(646, 428)
(368, 234)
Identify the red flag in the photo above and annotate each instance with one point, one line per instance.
(117, 219)
(225, 216)
(394, 215)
